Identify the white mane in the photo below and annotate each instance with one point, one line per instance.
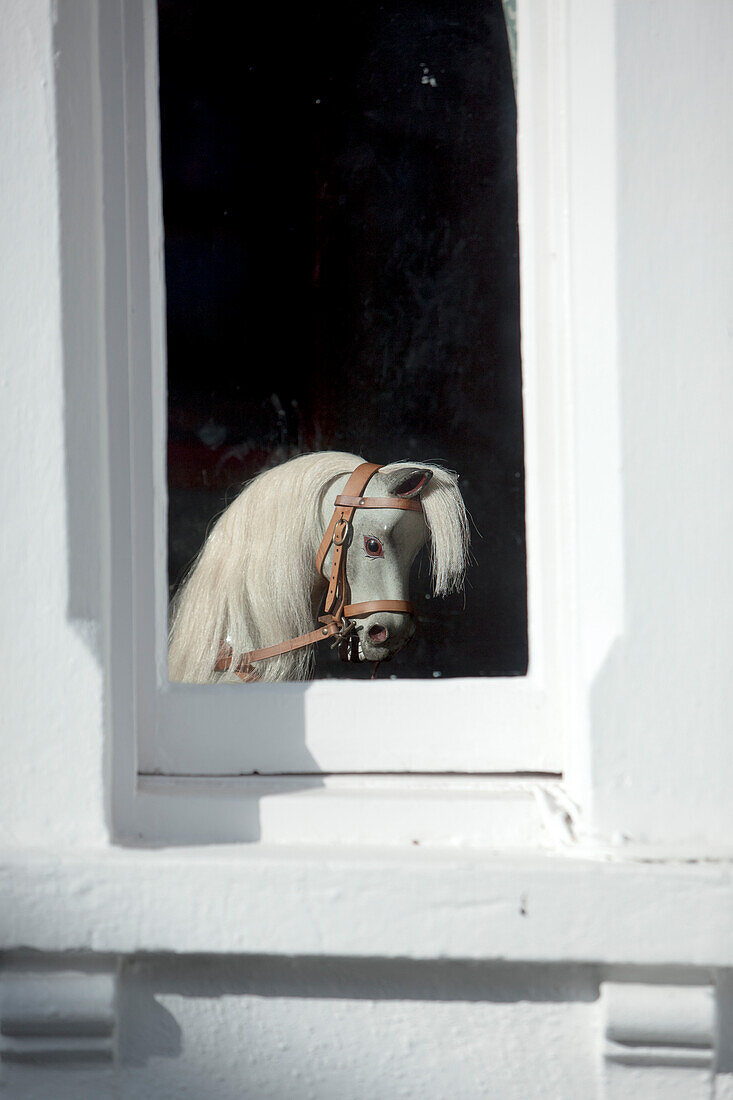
(255, 584)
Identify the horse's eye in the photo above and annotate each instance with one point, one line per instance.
(373, 547)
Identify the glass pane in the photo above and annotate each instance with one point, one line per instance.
(341, 245)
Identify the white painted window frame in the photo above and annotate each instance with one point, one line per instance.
(177, 748)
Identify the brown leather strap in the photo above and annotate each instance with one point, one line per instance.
(331, 627)
(245, 672)
(224, 660)
(337, 592)
(354, 610)
(302, 640)
(354, 487)
(379, 502)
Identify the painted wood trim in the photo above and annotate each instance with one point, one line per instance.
(58, 1016)
(356, 901)
(658, 1040)
(467, 726)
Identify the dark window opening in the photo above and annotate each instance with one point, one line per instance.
(341, 251)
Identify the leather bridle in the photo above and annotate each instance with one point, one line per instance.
(338, 614)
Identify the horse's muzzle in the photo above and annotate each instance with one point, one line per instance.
(378, 641)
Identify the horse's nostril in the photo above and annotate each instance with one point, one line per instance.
(377, 633)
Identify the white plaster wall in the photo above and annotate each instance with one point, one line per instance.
(52, 699)
(344, 1030)
(660, 705)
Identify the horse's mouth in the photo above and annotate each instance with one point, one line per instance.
(349, 650)
(377, 645)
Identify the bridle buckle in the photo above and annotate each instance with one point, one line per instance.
(341, 532)
(346, 628)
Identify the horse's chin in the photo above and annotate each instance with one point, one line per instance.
(378, 653)
(364, 650)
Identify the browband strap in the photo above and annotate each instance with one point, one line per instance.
(379, 502)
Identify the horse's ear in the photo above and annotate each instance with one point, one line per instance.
(409, 481)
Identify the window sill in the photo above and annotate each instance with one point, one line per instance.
(489, 812)
(412, 903)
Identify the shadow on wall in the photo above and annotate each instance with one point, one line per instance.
(350, 1029)
(342, 978)
(724, 983)
(182, 812)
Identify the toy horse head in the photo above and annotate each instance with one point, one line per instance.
(297, 541)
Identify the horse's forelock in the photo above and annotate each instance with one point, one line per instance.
(447, 521)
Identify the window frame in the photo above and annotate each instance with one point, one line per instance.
(490, 728)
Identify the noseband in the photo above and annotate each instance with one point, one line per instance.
(338, 614)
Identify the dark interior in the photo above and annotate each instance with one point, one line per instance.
(341, 248)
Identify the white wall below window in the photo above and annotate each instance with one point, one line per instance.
(341, 1030)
